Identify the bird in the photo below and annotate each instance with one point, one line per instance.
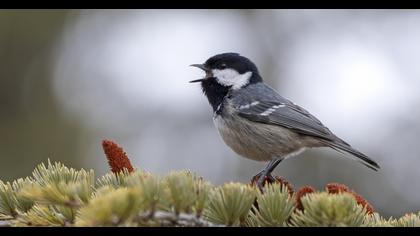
(256, 122)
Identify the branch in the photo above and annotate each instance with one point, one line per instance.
(182, 219)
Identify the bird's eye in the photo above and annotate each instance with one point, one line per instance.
(223, 66)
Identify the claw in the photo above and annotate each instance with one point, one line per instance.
(262, 179)
(265, 175)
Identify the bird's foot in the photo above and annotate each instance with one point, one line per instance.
(269, 179)
(261, 179)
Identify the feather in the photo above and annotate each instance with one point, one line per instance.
(276, 110)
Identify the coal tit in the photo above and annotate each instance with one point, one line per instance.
(256, 122)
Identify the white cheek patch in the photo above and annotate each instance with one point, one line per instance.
(230, 77)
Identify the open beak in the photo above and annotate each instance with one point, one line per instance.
(204, 68)
(201, 66)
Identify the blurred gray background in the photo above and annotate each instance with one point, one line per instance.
(70, 78)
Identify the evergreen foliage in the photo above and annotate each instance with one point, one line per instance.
(56, 195)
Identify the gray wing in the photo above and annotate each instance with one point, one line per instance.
(280, 111)
(286, 115)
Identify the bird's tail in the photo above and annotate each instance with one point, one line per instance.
(362, 158)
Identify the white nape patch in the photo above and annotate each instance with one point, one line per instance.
(271, 109)
(230, 77)
(249, 105)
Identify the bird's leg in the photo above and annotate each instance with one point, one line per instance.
(266, 173)
(256, 177)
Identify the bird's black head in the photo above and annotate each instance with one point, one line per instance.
(225, 72)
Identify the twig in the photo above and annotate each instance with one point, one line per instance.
(183, 219)
(4, 223)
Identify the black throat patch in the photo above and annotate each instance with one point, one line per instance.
(215, 93)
